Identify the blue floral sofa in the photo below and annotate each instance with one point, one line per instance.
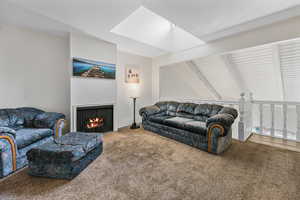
(204, 126)
(21, 129)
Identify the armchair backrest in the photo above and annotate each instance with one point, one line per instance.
(29, 115)
(19, 117)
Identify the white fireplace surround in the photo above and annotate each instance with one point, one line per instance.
(74, 114)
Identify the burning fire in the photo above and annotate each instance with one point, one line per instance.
(95, 122)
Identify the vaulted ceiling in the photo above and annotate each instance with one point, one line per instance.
(270, 72)
(206, 19)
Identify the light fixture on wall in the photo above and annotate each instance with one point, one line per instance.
(134, 94)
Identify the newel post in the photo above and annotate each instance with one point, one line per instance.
(241, 124)
(250, 114)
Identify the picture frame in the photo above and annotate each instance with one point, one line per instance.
(132, 74)
(86, 68)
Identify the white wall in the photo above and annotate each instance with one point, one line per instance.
(125, 103)
(179, 81)
(93, 91)
(34, 70)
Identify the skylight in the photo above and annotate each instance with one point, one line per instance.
(147, 27)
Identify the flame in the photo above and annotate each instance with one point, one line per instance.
(95, 122)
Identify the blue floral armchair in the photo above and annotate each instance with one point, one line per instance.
(21, 129)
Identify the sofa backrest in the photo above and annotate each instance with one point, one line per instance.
(18, 117)
(4, 118)
(186, 110)
(207, 110)
(198, 112)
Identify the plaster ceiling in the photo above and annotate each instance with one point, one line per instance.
(205, 19)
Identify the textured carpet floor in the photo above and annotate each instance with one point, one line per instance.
(143, 166)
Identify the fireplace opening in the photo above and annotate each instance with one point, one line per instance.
(95, 122)
(95, 119)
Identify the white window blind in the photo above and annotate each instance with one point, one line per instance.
(290, 67)
(256, 66)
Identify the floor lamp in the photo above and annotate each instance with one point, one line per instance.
(134, 125)
(133, 78)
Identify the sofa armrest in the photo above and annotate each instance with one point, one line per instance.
(58, 128)
(8, 130)
(215, 130)
(218, 126)
(147, 111)
(47, 120)
(223, 119)
(8, 154)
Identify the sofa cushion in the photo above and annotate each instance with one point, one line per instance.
(4, 129)
(17, 127)
(229, 110)
(207, 109)
(171, 113)
(4, 118)
(147, 111)
(16, 118)
(201, 118)
(196, 127)
(29, 114)
(226, 120)
(215, 109)
(172, 108)
(187, 108)
(27, 136)
(176, 122)
(162, 105)
(47, 119)
(159, 118)
(185, 115)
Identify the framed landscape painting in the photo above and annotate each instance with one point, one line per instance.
(93, 69)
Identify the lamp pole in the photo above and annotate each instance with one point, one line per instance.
(134, 125)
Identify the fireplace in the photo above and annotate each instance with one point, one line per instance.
(95, 118)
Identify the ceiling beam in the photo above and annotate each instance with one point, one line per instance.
(227, 59)
(195, 68)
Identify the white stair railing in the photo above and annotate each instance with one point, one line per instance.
(281, 126)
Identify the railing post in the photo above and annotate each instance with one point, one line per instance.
(241, 125)
(284, 109)
(250, 114)
(261, 116)
(298, 123)
(272, 120)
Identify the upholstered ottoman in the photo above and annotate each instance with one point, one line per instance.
(65, 157)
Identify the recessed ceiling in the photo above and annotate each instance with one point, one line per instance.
(206, 19)
(147, 27)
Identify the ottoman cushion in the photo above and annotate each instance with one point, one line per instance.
(66, 156)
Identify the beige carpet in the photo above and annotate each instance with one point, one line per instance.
(140, 165)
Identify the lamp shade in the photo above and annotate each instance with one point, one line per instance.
(133, 90)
